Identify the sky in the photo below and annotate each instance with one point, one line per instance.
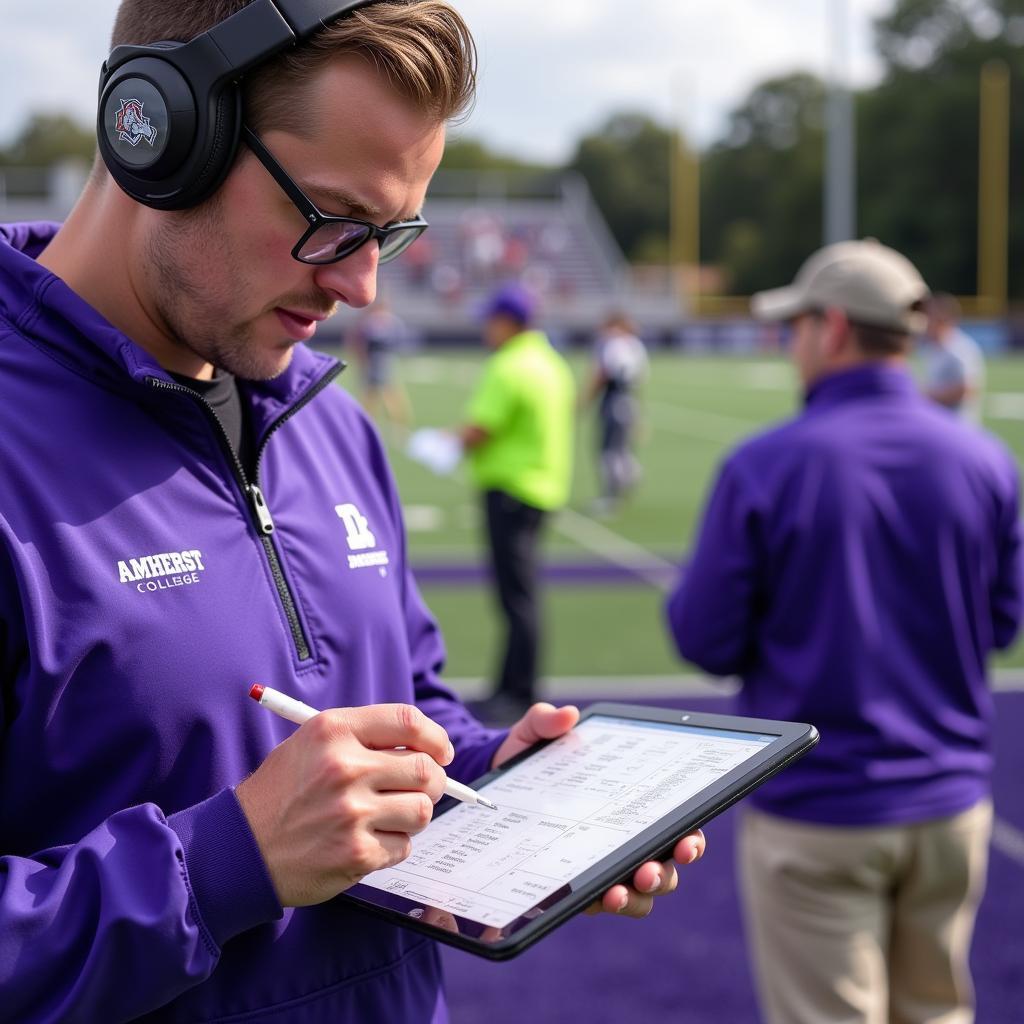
(551, 71)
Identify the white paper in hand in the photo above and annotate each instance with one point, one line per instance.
(439, 450)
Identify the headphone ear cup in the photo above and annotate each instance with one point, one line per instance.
(145, 124)
(216, 147)
(167, 143)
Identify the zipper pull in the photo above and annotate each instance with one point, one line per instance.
(262, 512)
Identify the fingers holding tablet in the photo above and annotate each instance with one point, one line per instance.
(651, 880)
(542, 721)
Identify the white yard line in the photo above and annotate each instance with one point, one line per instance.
(1004, 405)
(708, 426)
(607, 544)
(780, 376)
(442, 372)
(589, 534)
(1008, 680)
(615, 548)
(612, 687)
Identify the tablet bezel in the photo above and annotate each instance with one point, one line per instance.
(655, 842)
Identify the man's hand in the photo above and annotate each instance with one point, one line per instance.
(471, 436)
(337, 800)
(651, 879)
(541, 722)
(546, 722)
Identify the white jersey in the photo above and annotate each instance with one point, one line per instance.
(958, 360)
(622, 359)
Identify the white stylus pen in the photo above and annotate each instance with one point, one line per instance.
(297, 712)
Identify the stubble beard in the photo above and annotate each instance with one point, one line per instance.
(200, 312)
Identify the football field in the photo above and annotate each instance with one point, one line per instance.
(605, 579)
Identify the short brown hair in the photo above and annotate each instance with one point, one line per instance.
(944, 306)
(873, 340)
(423, 47)
(617, 320)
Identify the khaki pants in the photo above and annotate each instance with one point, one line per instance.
(864, 925)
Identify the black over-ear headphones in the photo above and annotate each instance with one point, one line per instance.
(170, 114)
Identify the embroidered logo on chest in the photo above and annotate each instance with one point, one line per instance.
(361, 540)
(164, 571)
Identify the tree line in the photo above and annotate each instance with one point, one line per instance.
(761, 183)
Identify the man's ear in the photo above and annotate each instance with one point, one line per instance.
(839, 336)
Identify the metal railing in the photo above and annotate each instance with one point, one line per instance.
(41, 193)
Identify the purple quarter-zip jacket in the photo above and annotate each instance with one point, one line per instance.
(855, 567)
(141, 593)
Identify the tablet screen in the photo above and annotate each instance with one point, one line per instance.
(560, 811)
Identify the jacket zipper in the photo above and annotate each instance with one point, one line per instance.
(260, 512)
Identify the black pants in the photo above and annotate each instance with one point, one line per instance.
(513, 533)
(618, 469)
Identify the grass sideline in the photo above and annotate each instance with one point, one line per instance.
(696, 408)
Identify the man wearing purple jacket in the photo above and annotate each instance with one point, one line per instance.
(855, 567)
(188, 507)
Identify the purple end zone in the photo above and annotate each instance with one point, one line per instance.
(687, 961)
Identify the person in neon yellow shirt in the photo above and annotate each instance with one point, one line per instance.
(519, 439)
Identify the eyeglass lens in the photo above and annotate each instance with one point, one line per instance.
(335, 240)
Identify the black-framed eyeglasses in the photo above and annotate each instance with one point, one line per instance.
(330, 239)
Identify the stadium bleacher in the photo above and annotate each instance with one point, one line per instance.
(486, 227)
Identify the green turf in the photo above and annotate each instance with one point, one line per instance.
(589, 631)
(696, 408)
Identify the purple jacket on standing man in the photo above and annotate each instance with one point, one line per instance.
(145, 583)
(855, 568)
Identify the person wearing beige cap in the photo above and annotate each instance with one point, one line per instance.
(873, 284)
(855, 567)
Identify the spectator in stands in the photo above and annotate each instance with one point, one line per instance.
(419, 262)
(619, 368)
(539, 279)
(376, 338)
(855, 567)
(954, 366)
(516, 256)
(447, 281)
(519, 436)
(553, 241)
(483, 243)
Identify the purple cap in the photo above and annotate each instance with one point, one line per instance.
(511, 300)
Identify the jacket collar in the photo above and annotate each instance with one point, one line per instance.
(867, 380)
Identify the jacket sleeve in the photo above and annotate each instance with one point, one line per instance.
(129, 917)
(132, 914)
(1007, 593)
(710, 611)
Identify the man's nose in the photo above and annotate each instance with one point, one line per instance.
(352, 280)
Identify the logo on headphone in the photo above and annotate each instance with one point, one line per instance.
(132, 125)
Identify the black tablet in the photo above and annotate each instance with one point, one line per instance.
(574, 816)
